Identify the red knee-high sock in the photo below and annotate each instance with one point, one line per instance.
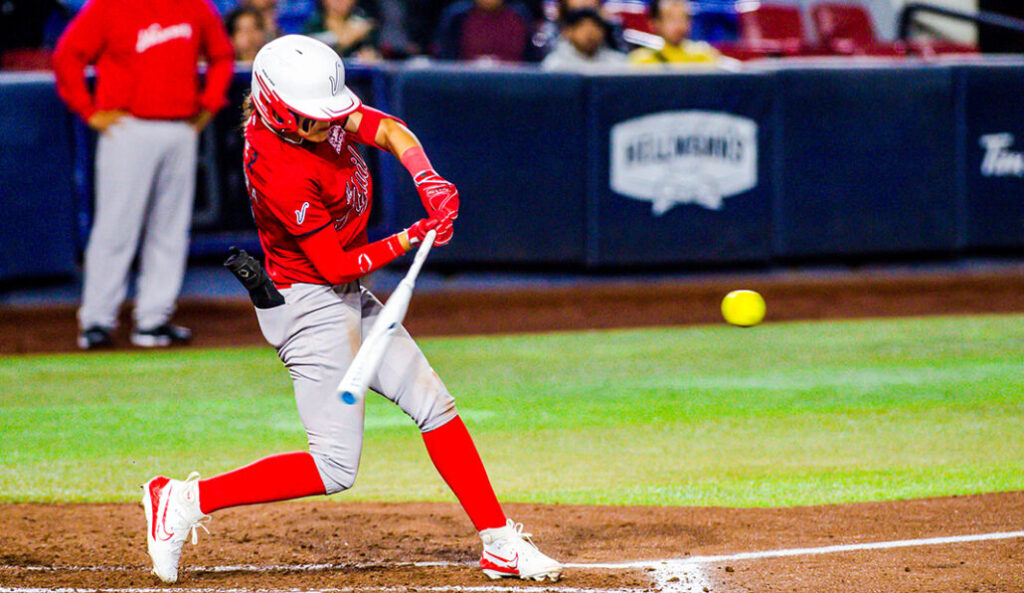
(278, 477)
(456, 459)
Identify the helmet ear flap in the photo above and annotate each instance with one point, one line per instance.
(271, 108)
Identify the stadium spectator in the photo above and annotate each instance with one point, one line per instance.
(549, 30)
(267, 9)
(147, 108)
(394, 38)
(488, 30)
(583, 44)
(247, 32)
(347, 28)
(670, 19)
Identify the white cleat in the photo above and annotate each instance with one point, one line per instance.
(509, 553)
(172, 511)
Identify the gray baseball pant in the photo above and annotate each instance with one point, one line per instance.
(317, 333)
(145, 187)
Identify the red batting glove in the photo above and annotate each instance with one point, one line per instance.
(415, 234)
(438, 195)
(444, 231)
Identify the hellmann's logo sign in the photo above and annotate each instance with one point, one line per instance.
(684, 157)
(999, 160)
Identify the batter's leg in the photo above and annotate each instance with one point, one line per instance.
(164, 250)
(126, 161)
(406, 378)
(316, 333)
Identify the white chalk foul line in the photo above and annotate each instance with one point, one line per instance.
(903, 543)
(240, 567)
(680, 575)
(686, 575)
(437, 589)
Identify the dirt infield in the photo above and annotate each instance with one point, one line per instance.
(591, 305)
(327, 546)
(962, 544)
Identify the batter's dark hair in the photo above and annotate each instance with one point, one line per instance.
(247, 110)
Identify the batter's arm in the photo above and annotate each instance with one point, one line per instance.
(439, 196)
(386, 132)
(337, 265)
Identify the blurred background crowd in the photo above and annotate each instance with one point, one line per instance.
(558, 34)
(374, 30)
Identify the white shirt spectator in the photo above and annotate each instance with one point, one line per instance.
(565, 57)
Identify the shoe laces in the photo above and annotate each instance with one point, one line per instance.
(200, 523)
(520, 535)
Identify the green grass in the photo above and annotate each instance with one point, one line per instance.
(782, 414)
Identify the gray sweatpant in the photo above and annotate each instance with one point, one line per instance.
(317, 333)
(145, 186)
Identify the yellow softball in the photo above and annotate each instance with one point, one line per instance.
(743, 308)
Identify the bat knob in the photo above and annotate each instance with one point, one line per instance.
(348, 398)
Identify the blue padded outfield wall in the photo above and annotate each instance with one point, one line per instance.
(787, 162)
(515, 146)
(37, 236)
(867, 162)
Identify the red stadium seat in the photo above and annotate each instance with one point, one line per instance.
(629, 15)
(773, 27)
(27, 59)
(768, 30)
(846, 29)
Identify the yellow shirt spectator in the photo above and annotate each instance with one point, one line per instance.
(686, 53)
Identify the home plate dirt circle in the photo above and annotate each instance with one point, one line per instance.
(968, 543)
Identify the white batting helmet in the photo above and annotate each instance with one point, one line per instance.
(298, 75)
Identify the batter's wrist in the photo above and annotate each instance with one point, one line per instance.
(415, 161)
(403, 240)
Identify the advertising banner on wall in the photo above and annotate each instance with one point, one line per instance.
(994, 154)
(682, 169)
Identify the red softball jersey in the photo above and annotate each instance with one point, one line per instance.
(296, 190)
(146, 56)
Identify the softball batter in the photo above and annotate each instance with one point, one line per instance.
(310, 195)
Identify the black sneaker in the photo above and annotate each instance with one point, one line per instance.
(162, 336)
(95, 337)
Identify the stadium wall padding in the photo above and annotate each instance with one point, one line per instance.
(784, 163)
(868, 162)
(37, 227)
(514, 144)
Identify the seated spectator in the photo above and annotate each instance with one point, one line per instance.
(583, 44)
(345, 27)
(395, 39)
(267, 9)
(548, 32)
(485, 30)
(247, 32)
(671, 21)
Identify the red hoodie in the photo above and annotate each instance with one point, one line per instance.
(146, 54)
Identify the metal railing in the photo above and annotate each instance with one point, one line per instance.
(982, 17)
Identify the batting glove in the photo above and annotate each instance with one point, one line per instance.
(414, 235)
(444, 231)
(438, 195)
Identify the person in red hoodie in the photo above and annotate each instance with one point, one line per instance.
(148, 108)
